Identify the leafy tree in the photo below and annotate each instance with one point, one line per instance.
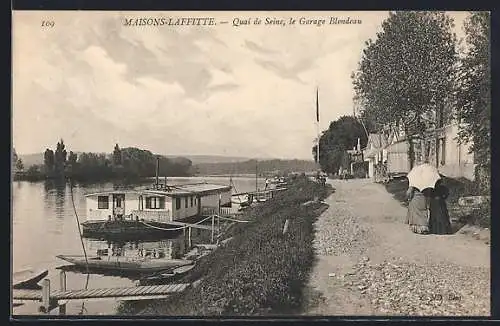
(33, 171)
(19, 165)
(14, 157)
(60, 157)
(49, 160)
(342, 135)
(72, 162)
(474, 87)
(117, 156)
(407, 73)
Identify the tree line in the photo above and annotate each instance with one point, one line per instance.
(414, 77)
(122, 163)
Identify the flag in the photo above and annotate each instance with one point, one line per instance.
(317, 105)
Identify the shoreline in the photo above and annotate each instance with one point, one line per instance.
(275, 262)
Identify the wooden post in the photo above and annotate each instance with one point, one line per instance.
(285, 227)
(213, 226)
(46, 295)
(189, 238)
(62, 279)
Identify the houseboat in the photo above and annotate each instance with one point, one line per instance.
(158, 209)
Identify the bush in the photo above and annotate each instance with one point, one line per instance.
(261, 271)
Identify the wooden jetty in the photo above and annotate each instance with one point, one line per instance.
(51, 300)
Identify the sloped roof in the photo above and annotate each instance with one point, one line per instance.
(174, 190)
(377, 140)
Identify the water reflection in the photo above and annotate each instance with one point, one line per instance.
(135, 249)
(44, 226)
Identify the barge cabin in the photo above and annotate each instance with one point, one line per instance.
(157, 206)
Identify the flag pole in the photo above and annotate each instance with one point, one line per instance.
(317, 127)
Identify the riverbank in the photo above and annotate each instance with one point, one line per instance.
(370, 263)
(261, 271)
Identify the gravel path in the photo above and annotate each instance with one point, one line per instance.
(369, 263)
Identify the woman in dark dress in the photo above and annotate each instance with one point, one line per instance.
(417, 216)
(439, 221)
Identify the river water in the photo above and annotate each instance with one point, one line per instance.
(44, 225)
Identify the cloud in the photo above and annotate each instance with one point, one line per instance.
(246, 91)
(257, 48)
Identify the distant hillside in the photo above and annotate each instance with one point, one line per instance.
(202, 159)
(250, 167)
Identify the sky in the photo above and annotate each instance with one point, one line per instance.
(245, 91)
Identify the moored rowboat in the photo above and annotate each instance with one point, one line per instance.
(28, 278)
(128, 264)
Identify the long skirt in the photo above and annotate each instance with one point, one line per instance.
(439, 222)
(418, 215)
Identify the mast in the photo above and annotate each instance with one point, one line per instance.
(256, 185)
(157, 170)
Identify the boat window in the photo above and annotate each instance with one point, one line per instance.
(102, 202)
(191, 201)
(155, 202)
(186, 201)
(177, 203)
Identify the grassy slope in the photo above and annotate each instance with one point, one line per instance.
(261, 271)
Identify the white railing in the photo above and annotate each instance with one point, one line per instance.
(224, 211)
(158, 216)
(209, 211)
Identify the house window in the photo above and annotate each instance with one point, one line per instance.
(443, 151)
(155, 202)
(177, 203)
(191, 201)
(118, 202)
(141, 203)
(103, 202)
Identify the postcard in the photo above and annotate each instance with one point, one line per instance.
(250, 163)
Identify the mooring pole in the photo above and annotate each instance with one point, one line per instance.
(62, 280)
(46, 295)
(213, 226)
(189, 238)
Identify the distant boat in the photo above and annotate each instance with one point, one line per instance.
(28, 278)
(125, 264)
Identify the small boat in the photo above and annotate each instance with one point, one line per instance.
(125, 264)
(28, 278)
(166, 276)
